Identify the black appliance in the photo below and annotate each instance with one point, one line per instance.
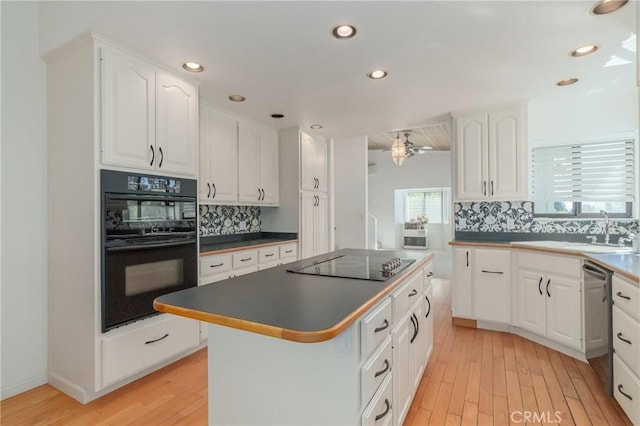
(149, 242)
(374, 267)
(598, 313)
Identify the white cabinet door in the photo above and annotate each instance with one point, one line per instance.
(307, 220)
(427, 330)
(248, 163)
(506, 151)
(531, 301)
(471, 153)
(313, 157)
(595, 323)
(128, 111)
(402, 381)
(219, 144)
(269, 166)
(177, 126)
(416, 354)
(492, 285)
(321, 225)
(461, 300)
(564, 318)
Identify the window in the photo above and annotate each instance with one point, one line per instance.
(582, 179)
(432, 203)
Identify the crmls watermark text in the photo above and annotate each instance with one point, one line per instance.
(536, 417)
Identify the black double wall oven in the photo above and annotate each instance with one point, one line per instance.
(149, 242)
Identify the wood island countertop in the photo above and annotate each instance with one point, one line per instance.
(290, 306)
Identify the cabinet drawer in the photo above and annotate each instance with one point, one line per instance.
(245, 258)
(214, 265)
(379, 412)
(375, 370)
(375, 326)
(406, 295)
(562, 265)
(132, 352)
(268, 254)
(289, 251)
(625, 382)
(626, 296)
(625, 330)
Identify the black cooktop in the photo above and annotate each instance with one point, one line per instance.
(364, 267)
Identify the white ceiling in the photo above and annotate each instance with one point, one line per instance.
(442, 57)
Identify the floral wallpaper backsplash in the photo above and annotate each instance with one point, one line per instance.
(517, 216)
(227, 220)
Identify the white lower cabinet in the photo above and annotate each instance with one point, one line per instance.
(127, 353)
(626, 346)
(461, 290)
(492, 285)
(380, 410)
(402, 382)
(549, 300)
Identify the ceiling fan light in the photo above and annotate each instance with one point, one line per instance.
(398, 152)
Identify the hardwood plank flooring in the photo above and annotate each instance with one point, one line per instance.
(474, 377)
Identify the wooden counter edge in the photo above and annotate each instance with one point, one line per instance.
(284, 333)
(247, 247)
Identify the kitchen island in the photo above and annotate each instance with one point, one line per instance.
(292, 348)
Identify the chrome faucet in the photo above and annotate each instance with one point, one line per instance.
(606, 226)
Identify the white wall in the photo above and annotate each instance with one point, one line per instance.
(24, 202)
(350, 192)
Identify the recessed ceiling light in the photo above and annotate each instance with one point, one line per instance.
(377, 74)
(343, 31)
(192, 67)
(584, 50)
(608, 6)
(237, 98)
(277, 115)
(567, 82)
(316, 126)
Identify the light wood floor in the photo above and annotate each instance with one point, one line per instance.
(473, 377)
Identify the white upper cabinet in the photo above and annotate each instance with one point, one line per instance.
(150, 118)
(313, 153)
(491, 155)
(177, 124)
(218, 157)
(128, 111)
(258, 182)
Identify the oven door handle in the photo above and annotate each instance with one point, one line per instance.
(154, 245)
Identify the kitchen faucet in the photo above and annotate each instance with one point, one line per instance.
(606, 226)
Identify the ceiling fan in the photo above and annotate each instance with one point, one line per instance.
(400, 150)
(412, 149)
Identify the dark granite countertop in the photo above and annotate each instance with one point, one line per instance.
(210, 245)
(626, 265)
(297, 307)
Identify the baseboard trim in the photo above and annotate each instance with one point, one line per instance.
(22, 386)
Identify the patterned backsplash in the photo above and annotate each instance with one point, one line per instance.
(226, 220)
(517, 216)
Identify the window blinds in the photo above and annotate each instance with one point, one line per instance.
(598, 171)
(429, 203)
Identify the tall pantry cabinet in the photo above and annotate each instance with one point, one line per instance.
(107, 107)
(305, 202)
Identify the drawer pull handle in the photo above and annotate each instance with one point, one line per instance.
(246, 259)
(148, 342)
(269, 255)
(216, 265)
(386, 411)
(539, 283)
(493, 272)
(623, 339)
(624, 393)
(288, 251)
(430, 274)
(619, 294)
(413, 293)
(384, 326)
(384, 370)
